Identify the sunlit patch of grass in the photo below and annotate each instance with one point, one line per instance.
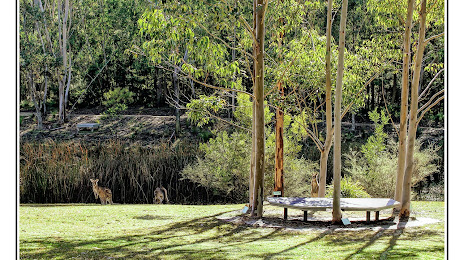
(86, 231)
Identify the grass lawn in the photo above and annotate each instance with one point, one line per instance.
(85, 231)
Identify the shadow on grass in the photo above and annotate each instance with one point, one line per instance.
(210, 238)
(421, 246)
(319, 237)
(152, 217)
(57, 205)
(149, 243)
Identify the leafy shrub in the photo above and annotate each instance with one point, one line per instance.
(375, 166)
(225, 167)
(349, 189)
(116, 100)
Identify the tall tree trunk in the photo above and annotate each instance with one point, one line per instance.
(372, 95)
(353, 121)
(394, 89)
(279, 129)
(406, 196)
(38, 110)
(60, 101)
(337, 213)
(233, 77)
(279, 152)
(328, 105)
(323, 170)
(64, 39)
(156, 86)
(44, 100)
(252, 162)
(175, 82)
(68, 85)
(404, 103)
(253, 197)
(259, 105)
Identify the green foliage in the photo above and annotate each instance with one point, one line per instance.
(116, 100)
(244, 111)
(199, 109)
(349, 189)
(26, 105)
(225, 167)
(375, 166)
(375, 144)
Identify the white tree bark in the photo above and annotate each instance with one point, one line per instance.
(337, 213)
(412, 129)
(328, 105)
(404, 103)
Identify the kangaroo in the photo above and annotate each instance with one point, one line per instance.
(160, 195)
(314, 186)
(102, 192)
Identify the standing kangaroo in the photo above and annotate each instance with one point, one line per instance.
(160, 195)
(314, 186)
(102, 192)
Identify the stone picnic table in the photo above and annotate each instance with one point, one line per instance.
(322, 204)
(90, 126)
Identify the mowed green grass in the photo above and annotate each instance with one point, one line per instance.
(84, 231)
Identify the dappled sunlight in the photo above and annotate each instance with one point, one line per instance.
(176, 231)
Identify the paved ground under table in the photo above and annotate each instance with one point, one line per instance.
(321, 204)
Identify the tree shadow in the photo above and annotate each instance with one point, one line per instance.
(320, 236)
(152, 217)
(408, 234)
(156, 242)
(181, 239)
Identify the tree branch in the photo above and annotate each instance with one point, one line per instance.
(433, 37)
(430, 83)
(365, 85)
(386, 108)
(430, 100)
(96, 76)
(285, 71)
(247, 26)
(428, 108)
(309, 132)
(221, 40)
(228, 122)
(220, 88)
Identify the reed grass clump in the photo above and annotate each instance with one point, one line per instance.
(59, 172)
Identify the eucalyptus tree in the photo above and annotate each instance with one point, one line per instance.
(309, 81)
(328, 105)
(51, 22)
(35, 59)
(336, 210)
(414, 117)
(172, 30)
(430, 16)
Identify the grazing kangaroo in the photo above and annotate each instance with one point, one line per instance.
(160, 195)
(102, 192)
(314, 186)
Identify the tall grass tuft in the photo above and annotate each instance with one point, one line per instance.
(51, 171)
(59, 172)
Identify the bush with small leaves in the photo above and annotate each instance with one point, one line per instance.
(116, 100)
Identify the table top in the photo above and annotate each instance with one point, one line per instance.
(349, 204)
